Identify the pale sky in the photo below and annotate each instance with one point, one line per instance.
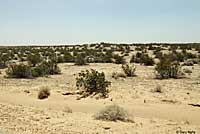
(91, 21)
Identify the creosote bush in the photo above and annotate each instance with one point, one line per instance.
(80, 60)
(44, 93)
(142, 58)
(19, 71)
(114, 113)
(25, 71)
(46, 68)
(34, 59)
(168, 69)
(129, 70)
(93, 82)
(119, 59)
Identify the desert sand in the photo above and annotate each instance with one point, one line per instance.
(21, 112)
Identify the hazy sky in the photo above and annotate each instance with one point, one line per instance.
(89, 21)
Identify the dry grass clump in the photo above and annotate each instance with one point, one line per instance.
(117, 75)
(67, 109)
(158, 89)
(114, 113)
(44, 93)
(129, 70)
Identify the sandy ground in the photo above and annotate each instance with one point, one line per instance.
(154, 113)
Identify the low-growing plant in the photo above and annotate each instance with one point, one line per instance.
(46, 68)
(117, 75)
(114, 113)
(119, 59)
(68, 58)
(19, 71)
(167, 69)
(34, 59)
(142, 59)
(129, 70)
(80, 60)
(44, 93)
(93, 82)
(158, 89)
(146, 60)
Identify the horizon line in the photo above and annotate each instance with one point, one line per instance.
(74, 44)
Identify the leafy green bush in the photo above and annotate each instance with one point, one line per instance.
(129, 70)
(119, 59)
(3, 59)
(19, 71)
(168, 69)
(142, 58)
(80, 59)
(68, 58)
(46, 68)
(114, 113)
(34, 59)
(146, 60)
(93, 82)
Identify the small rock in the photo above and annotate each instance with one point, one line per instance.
(68, 93)
(106, 128)
(48, 118)
(26, 91)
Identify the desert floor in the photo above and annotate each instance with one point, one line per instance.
(154, 113)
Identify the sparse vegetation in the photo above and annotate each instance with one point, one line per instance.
(158, 89)
(119, 59)
(34, 59)
(129, 70)
(80, 60)
(117, 75)
(168, 69)
(114, 113)
(93, 82)
(46, 68)
(19, 71)
(142, 59)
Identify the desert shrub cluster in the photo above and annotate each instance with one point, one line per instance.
(36, 61)
(19, 71)
(93, 82)
(142, 58)
(26, 71)
(166, 68)
(129, 70)
(114, 113)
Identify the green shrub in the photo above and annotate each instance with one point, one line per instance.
(93, 82)
(34, 59)
(168, 69)
(80, 59)
(3, 59)
(19, 71)
(68, 58)
(114, 113)
(142, 58)
(46, 68)
(119, 59)
(129, 70)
